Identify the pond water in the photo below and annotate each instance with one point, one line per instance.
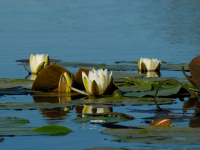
(95, 32)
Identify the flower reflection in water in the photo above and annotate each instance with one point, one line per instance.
(54, 115)
(150, 73)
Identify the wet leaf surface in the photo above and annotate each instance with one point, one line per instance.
(123, 101)
(31, 105)
(156, 135)
(6, 83)
(9, 126)
(52, 129)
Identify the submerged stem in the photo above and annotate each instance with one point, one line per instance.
(158, 107)
(26, 68)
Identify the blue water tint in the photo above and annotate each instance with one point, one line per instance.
(100, 31)
(94, 31)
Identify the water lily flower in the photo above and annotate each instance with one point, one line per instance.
(97, 82)
(149, 64)
(38, 62)
(65, 81)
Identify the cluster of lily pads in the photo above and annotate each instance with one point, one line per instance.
(125, 88)
(95, 82)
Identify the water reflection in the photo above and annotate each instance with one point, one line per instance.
(190, 103)
(150, 73)
(54, 116)
(32, 76)
(92, 109)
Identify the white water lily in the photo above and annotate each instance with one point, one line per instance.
(65, 81)
(149, 64)
(97, 82)
(38, 62)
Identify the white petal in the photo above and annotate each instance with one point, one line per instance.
(87, 83)
(33, 63)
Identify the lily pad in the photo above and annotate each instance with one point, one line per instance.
(48, 78)
(9, 126)
(15, 83)
(119, 76)
(12, 121)
(135, 88)
(123, 101)
(14, 92)
(31, 105)
(156, 135)
(165, 90)
(52, 129)
(98, 119)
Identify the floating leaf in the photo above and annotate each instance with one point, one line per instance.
(123, 101)
(6, 83)
(48, 78)
(9, 127)
(165, 90)
(194, 68)
(135, 88)
(12, 121)
(156, 135)
(51, 129)
(31, 105)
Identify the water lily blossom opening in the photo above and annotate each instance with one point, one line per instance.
(65, 81)
(38, 62)
(149, 64)
(97, 82)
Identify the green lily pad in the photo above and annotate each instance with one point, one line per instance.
(14, 83)
(12, 126)
(98, 119)
(12, 121)
(156, 135)
(135, 88)
(52, 129)
(164, 90)
(31, 105)
(119, 76)
(123, 101)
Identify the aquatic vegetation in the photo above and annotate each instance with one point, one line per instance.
(162, 122)
(149, 64)
(97, 82)
(65, 81)
(38, 62)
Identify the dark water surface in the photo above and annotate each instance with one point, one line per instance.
(97, 32)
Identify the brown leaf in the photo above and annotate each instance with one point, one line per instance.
(48, 78)
(194, 68)
(79, 79)
(189, 78)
